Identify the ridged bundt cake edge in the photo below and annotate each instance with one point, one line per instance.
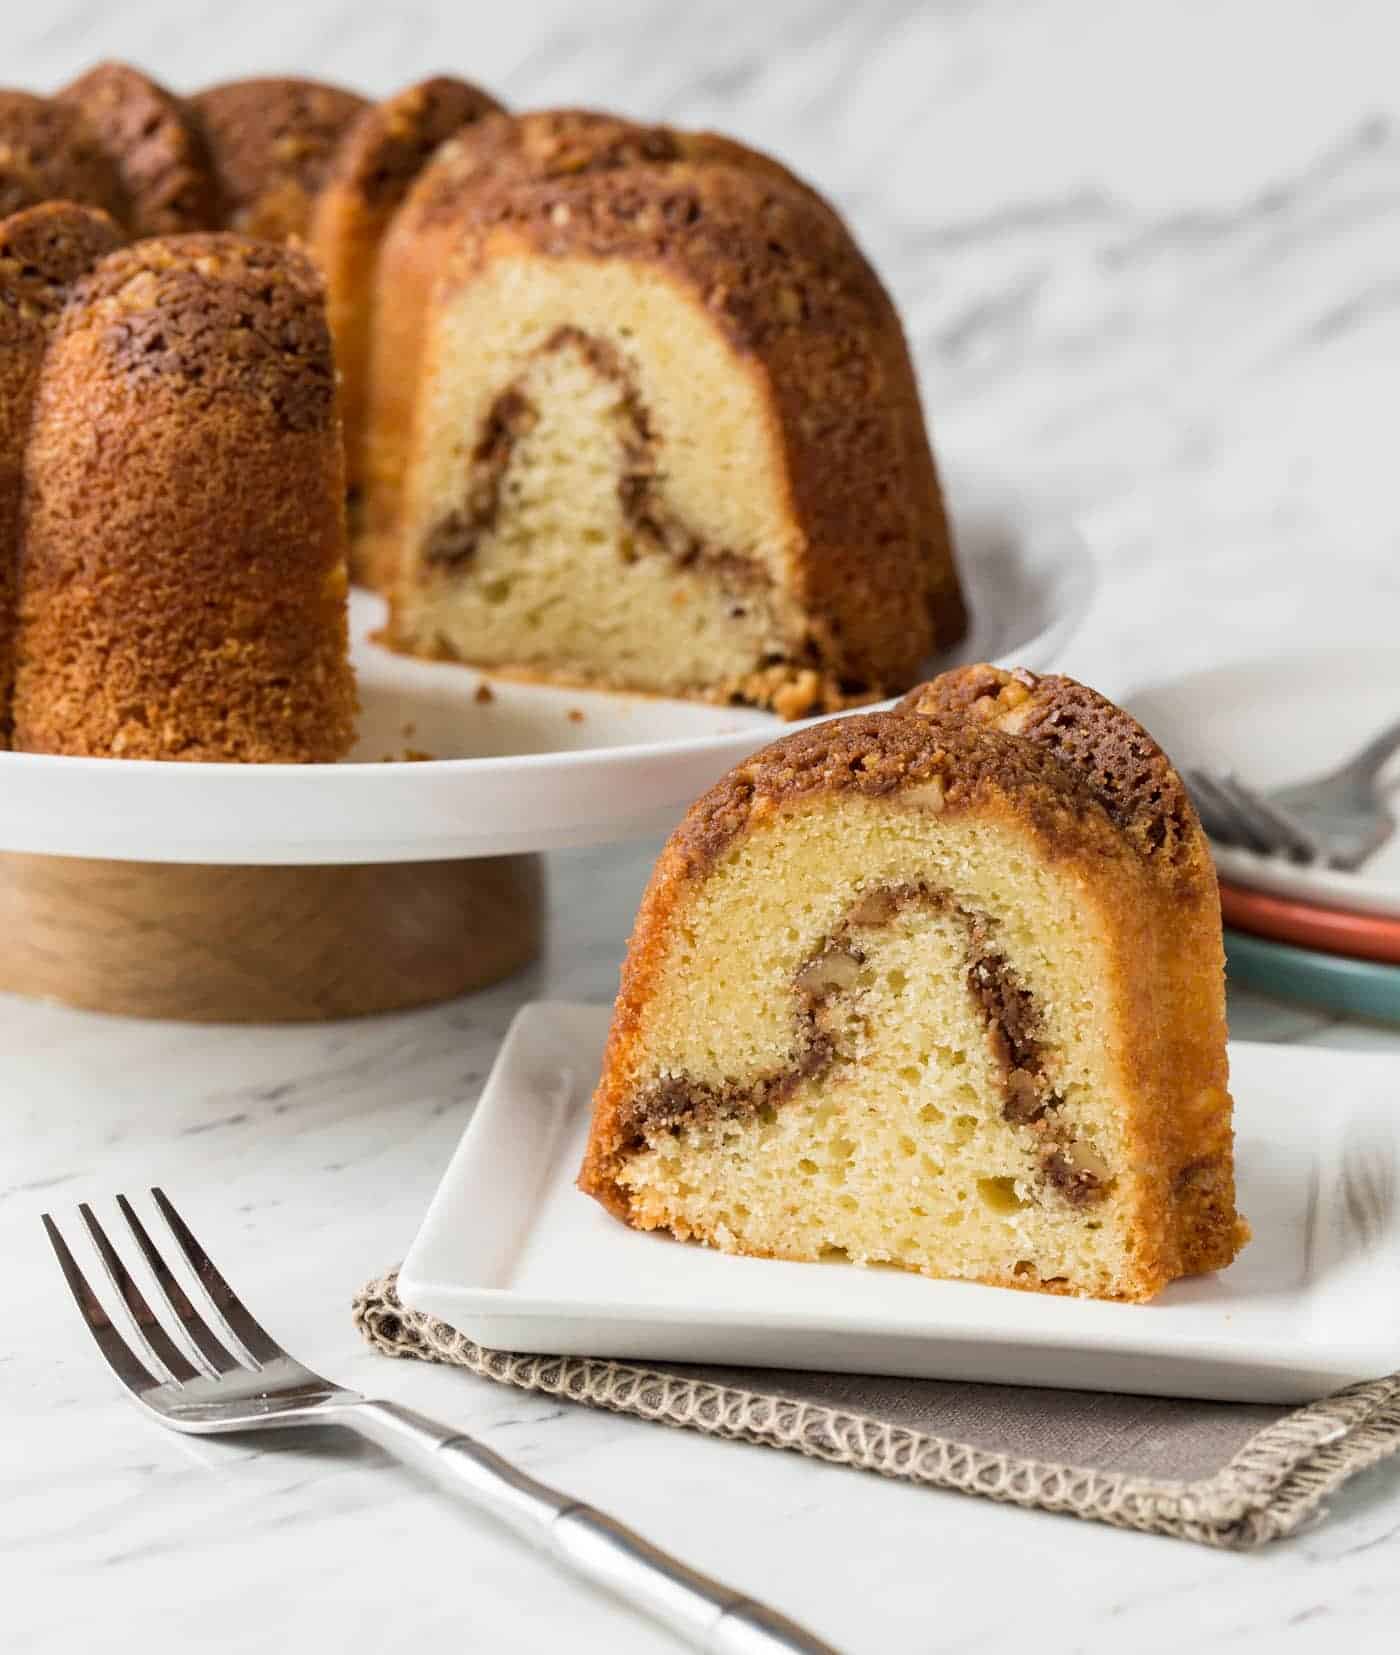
(44, 251)
(182, 574)
(156, 145)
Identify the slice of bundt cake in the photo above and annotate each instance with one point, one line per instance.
(665, 438)
(156, 146)
(43, 252)
(273, 143)
(940, 988)
(182, 571)
(375, 164)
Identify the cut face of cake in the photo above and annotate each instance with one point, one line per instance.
(665, 437)
(939, 988)
(440, 210)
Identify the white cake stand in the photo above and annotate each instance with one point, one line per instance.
(293, 891)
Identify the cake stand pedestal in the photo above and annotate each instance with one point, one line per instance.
(263, 944)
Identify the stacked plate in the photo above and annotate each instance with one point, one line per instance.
(1331, 939)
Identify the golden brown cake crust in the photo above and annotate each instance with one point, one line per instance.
(390, 143)
(1135, 784)
(1098, 794)
(878, 754)
(273, 143)
(156, 145)
(544, 144)
(183, 582)
(49, 152)
(779, 276)
(43, 251)
(1128, 773)
(217, 318)
(375, 164)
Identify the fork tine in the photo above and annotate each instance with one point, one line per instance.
(1240, 806)
(148, 1326)
(1198, 786)
(254, 1338)
(219, 1360)
(120, 1358)
(1277, 823)
(1217, 811)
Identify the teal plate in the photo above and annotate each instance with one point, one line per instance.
(1361, 988)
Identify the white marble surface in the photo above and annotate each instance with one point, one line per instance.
(1149, 259)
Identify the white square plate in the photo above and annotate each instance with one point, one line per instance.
(513, 1256)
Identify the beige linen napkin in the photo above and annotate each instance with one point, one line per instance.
(1223, 1473)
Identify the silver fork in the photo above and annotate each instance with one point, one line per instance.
(240, 1379)
(1338, 819)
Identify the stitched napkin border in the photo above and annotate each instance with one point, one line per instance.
(1274, 1484)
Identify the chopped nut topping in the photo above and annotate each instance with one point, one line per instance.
(831, 971)
(876, 907)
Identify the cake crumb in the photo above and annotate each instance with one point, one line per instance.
(409, 731)
(484, 694)
(799, 697)
(575, 715)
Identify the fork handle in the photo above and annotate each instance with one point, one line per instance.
(708, 1614)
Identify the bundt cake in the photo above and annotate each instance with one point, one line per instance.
(627, 407)
(665, 437)
(182, 576)
(43, 252)
(940, 988)
(381, 154)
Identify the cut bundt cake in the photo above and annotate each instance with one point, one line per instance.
(156, 146)
(273, 143)
(182, 578)
(665, 437)
(43, 252)
(939, 988)
(375, 164)
(626, 406)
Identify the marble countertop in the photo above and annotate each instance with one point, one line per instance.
(1148, 256)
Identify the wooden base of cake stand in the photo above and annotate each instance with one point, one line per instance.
(263, 944)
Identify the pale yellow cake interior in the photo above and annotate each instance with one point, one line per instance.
(899, 1153)
(561, 584)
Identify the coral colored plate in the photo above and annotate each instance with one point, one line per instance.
(525, 767)
(1332, 930)
(512, 1255)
